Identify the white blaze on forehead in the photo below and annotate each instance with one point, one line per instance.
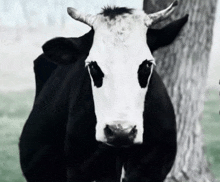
(119, 48)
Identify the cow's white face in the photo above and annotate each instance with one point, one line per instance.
(119, 71)
(119, 49)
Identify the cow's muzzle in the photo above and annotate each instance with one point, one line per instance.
(118, 136)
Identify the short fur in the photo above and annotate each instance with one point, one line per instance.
(58, 140)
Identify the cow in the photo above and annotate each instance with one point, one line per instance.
(101, 112)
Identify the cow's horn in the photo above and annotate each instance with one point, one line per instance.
(163, 14)
(84, 18)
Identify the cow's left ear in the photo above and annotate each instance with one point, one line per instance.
(68, 50)
(157, 38)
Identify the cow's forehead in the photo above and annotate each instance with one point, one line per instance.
(120, 37)
(128, 19)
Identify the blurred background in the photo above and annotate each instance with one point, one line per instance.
(24, 27)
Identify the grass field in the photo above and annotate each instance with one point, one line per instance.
(15, 107)
(211, 130)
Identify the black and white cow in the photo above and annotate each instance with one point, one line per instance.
(101, 112)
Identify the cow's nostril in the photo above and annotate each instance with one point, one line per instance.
(108, 131)
(133, 131)
(132, 134)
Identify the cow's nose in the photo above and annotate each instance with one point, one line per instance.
(120, 136)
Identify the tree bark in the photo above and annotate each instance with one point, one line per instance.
(183, 67)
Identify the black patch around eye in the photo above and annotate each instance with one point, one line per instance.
(96, 73)
(144, 73)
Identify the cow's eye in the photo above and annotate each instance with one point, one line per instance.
(96, 73)
(148, 64)
(144, 72)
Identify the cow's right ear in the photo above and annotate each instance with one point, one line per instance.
(61, 50)
(68, 50)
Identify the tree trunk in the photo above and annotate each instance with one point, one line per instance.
(183, 67)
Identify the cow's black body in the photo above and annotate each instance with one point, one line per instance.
(58, 140)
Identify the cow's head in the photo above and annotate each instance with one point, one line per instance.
(120, 64)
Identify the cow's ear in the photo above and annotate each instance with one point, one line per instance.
(68, 50)
(61, 50)
(157, 38)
